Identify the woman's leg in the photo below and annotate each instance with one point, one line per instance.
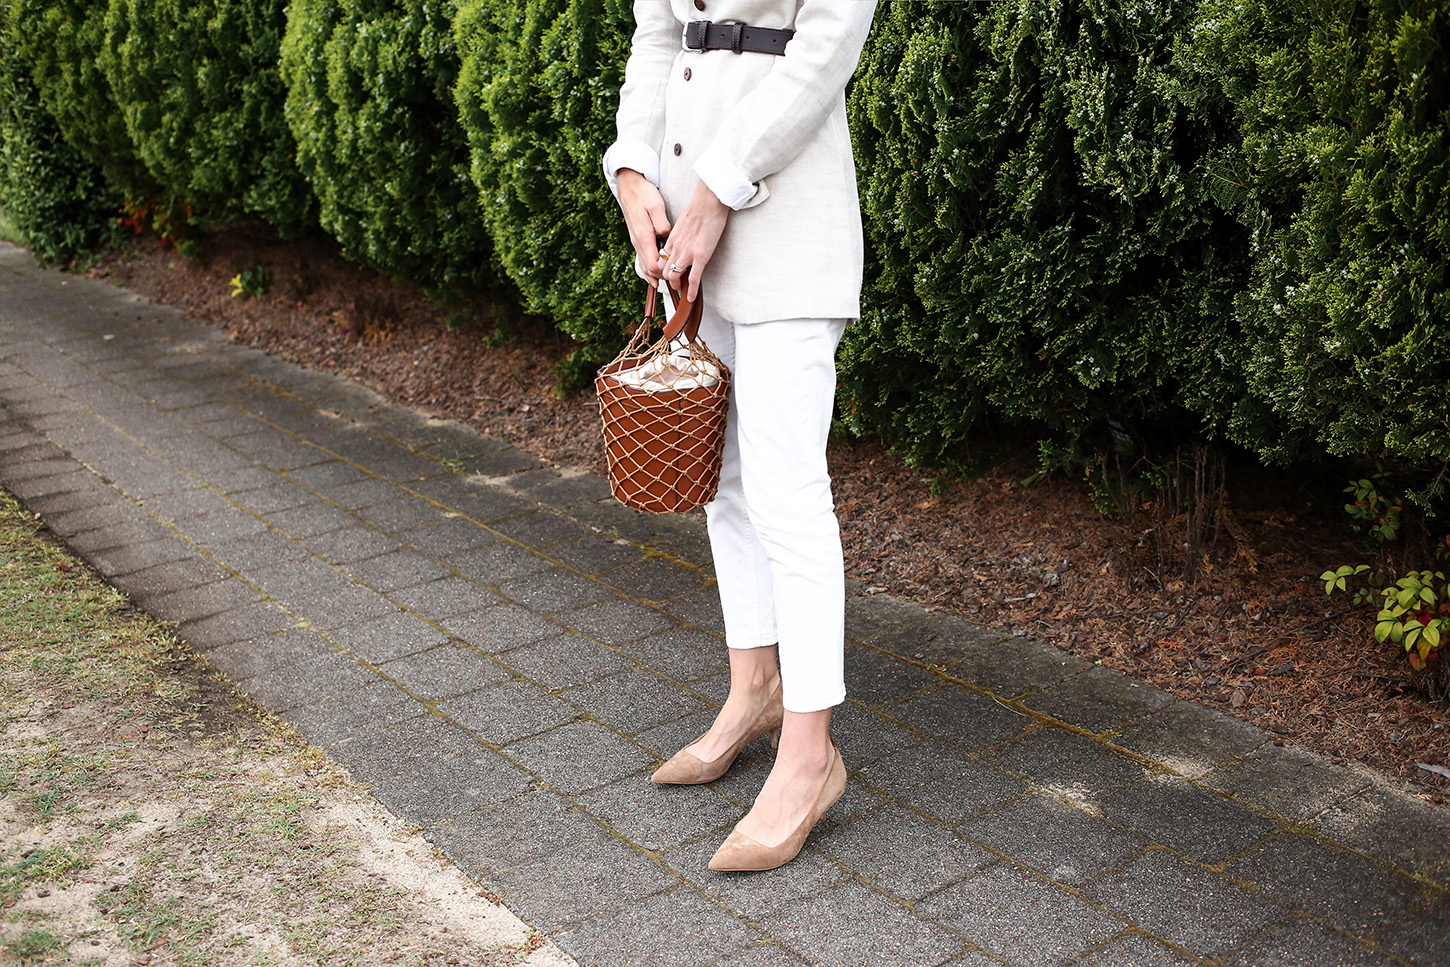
(785, 381)
(742, 575)
(776, 432)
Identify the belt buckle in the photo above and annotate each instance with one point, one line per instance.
(695, 35)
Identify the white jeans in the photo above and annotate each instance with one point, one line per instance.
(773, 529)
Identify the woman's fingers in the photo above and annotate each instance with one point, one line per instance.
(693, 240)
(645, 249)
(688, 245)
(645, 231)
(697, 271)
(679, 263)
(688, 271)
(685, 266)
(644, 215)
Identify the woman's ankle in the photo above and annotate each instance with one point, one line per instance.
(754, 670)
(753, 693)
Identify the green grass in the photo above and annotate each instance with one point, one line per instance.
(168, 923)
(68, 628)
(62, 627)
(35, 945)
(21, 869)
(8, 231)
(51, 774)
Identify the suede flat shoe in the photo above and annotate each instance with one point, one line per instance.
(741, 853)
(685, 769)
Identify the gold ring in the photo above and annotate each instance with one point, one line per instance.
(664, 254)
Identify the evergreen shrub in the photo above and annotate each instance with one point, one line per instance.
(56, 199)
(370, 102)
(1227, 219)
(201, 96)
(1041, 251)
(1339, 168)
(536, 96)
(60, 41)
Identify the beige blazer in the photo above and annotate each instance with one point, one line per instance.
(768, 135)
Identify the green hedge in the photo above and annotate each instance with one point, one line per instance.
(1226, 217)
(1203, 218)
(370, 102)
(536, 95)
(57, 200)
(1041, 248)
(1339, 169)
(201, 97)
(61, 42)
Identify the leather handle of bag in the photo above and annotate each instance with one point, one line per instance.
(687, 314)
(649, 304)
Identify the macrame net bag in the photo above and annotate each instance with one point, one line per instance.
(663, 403)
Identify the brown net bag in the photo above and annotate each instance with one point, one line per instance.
(663, 404)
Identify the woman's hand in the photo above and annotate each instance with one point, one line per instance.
(692, 241)
(644, 215)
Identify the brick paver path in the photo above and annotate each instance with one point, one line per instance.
(504, 654)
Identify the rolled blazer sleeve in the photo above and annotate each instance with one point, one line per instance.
(640, 118)
(772, 123)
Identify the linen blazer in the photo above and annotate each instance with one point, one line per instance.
(767, 134)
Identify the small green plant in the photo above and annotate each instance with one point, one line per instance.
(252, 282)
(1413, 611)
(1416, 614)
(1335, 581)
(1374, 513)
(1115, 486)
(462, 319)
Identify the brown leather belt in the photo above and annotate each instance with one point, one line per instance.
(704, 35)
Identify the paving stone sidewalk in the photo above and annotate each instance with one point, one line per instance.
(504, 654)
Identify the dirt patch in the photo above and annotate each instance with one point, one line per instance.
(1254, 634)
(150, 814)
(180, 846)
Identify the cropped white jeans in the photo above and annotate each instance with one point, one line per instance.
(773, 529)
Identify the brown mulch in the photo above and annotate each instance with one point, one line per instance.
(1253, 633)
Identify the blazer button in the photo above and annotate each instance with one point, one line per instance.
(677, 151)
(699, 4)
(687, 73)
